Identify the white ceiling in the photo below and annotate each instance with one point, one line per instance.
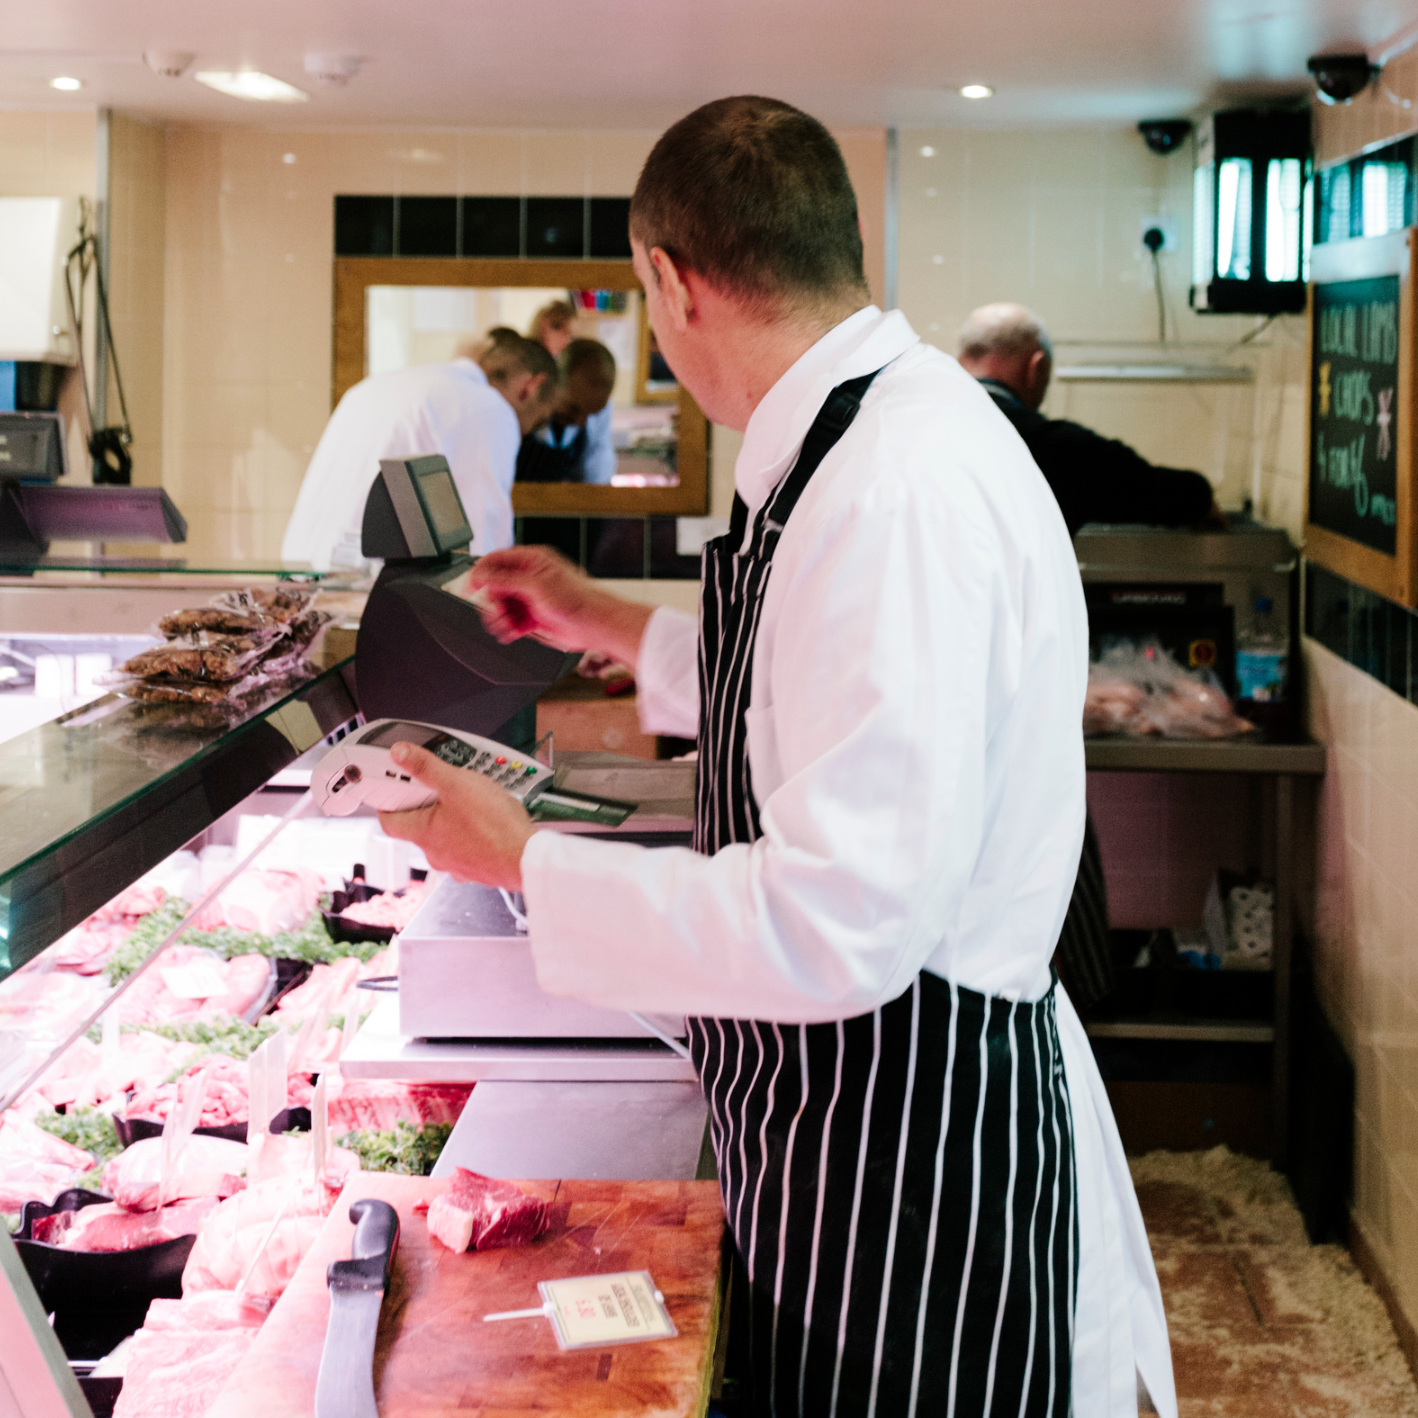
(638, 63)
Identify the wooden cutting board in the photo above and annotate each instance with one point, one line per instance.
(435, 1355)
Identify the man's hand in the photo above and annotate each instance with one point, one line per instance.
(475, 831)
(534, 591)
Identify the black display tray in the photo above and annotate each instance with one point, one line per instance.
(97, 1298)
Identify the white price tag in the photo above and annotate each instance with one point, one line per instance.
(198, 979)
(590, 1311)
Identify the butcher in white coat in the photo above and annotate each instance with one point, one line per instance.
(473, 411)
(930, 1206)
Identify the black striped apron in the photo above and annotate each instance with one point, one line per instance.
(900, 1186)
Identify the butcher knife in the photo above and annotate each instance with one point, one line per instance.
(345, 1388)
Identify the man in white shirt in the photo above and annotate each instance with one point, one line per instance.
(575, 444)
(929, 1202)
(474, 412)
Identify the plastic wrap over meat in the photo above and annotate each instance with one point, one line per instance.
(206, 1166)
(1141, 691)
(478, 1213)
(265, 902)
(229, 1241)
(184, 1354)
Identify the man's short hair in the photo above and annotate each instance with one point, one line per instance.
(511, 353)
(753, 195)
(1004, 329)
(587, 354)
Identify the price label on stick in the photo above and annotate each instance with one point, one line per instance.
(590, 1311)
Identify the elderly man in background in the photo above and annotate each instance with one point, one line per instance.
(575, 445)
(1094, 479)
(474, 410)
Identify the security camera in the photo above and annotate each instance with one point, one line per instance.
(1164, 135)
(1339, 77)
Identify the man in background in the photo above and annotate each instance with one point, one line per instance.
(576, 445)
(474, 411)
(1094, 479)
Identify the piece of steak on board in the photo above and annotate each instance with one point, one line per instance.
(479, 1213)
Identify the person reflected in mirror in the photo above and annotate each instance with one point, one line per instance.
(474, 409)
(1094, 479)
(553, 326)
(575, 445)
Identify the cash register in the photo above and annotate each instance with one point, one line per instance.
(613, 1094)
(422, 651)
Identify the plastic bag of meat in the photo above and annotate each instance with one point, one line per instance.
(108, 1227)
(1141, 690)
(229, 1241)
(478, 1213)
(206, 1166)
(265, 902)
(238, 612)
(184, 1354)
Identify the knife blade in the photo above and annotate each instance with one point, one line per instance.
(345, 1387)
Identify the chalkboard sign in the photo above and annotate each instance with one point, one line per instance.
(1360, 514)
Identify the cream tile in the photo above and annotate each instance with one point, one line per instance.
(556, 164)
(996, 161)
(1075, 158)
(426, 163)
(616, 158)
(361, 163)
(490, 164)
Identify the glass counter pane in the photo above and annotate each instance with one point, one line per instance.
(157, 565)
(91, 801)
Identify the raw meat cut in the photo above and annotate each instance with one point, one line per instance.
(288, 1155)
(206, 1166)
(108, 1227)
(225, 1101)
(376, 1104)
(265, 902)
(478, 1213)
(34, 1164)
(244, 980)
(140, 899)
(230, 1239)
(326, 986)
(87, 946)
(46, 1004)
(187, 1349)
(83, 1078)
(387, 909)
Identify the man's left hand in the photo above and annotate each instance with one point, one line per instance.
(475, 831)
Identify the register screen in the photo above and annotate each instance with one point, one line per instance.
(444, 508)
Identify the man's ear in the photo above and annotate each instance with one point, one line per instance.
(674, 290)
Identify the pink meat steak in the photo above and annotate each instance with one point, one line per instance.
(183, 1356)
(478, 1213)
(108, 1227)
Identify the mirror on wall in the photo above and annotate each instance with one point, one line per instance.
(644, 451)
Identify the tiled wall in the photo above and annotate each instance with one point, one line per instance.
(137, 165)
(248, 297)
(1366, 924)
(1054, 219)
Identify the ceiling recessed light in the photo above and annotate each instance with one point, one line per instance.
(977, 91)
(928, 151)
(251, 84)
(66, 84)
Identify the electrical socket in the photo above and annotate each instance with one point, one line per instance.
(1168, 226)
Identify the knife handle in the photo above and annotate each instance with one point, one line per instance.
(372, 1250)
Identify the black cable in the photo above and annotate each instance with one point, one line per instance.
(1152, 239)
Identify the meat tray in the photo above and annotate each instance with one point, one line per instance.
(97, 1297)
